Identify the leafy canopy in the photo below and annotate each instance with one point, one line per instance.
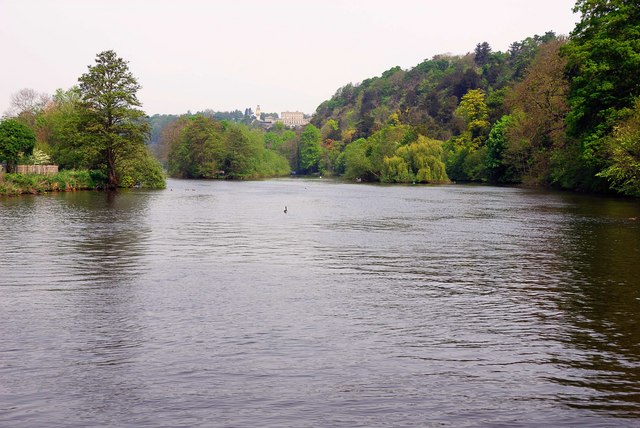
(114, 126)
(603, 57)
(16, 140)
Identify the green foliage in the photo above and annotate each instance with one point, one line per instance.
(482, 53)
(420, 161)
(474, 166)
(330, 130)
(278, 137)
(355, 163)
(138, 168)
(16, 140)
(466, 154)
(603, 57)
(384, 143)
(396, 170)
(428, 93)
(457, 150)
(457, 99)
(394, 154)
(496, 146)
(113, 127)
(473, 110)
(16, 184)
(310, 149)
(202, 147)
(283, 141)
(241, 152)
(194, 151)
(623, 154)
(65, 140)
(523, 52)
(157, 123)
(331, 150)
(271, 164)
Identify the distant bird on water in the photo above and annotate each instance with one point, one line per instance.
(285, 209)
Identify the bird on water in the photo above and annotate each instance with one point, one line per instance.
(285, 209)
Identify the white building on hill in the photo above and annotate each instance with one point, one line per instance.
(290, 119)
(293, 119)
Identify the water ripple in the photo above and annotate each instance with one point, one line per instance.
(206, 305)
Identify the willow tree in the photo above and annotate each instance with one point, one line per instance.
(114, 125)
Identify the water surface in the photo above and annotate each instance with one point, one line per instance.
(206, 305)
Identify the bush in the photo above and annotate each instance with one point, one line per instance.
(141, 169)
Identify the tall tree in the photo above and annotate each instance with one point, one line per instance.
(482, 52)
(116, 125)
(535, 135)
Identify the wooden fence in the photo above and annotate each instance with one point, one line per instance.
(37, 169)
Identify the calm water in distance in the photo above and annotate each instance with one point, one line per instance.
(362, 306)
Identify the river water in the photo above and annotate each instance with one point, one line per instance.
(362, 306)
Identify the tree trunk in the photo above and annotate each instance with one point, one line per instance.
(112, 179)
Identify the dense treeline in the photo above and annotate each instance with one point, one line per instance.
(550, 111)
(197, 146)
(95, 127)
(200, 147)
(158, 122)
(454, 102)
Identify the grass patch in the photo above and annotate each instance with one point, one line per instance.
(64, 181)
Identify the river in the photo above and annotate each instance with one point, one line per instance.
(363, 306)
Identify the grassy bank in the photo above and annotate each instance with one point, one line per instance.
(65, 181)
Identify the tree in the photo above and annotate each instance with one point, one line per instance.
(496, 145)
(522, 53)
(330, 130)
(536, 131)
(201, 147)
(420, 161)
(623, 150)
(310, 149)
(283, 141)
(16, 140)
(355, 162)
(241, 152)
(26, 104)
(65, 140)
(473, 110)
(114, 125)
(195, 147)
(482, 52)
(603, 57)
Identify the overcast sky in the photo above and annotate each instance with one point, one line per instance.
(226, 55)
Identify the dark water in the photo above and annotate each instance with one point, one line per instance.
(363, 306)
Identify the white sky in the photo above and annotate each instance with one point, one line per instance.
(226, 55)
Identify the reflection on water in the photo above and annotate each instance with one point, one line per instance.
(601, 303)
(206, 305)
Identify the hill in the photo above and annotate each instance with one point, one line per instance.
(551, 111)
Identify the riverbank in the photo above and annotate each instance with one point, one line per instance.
(65, 181)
